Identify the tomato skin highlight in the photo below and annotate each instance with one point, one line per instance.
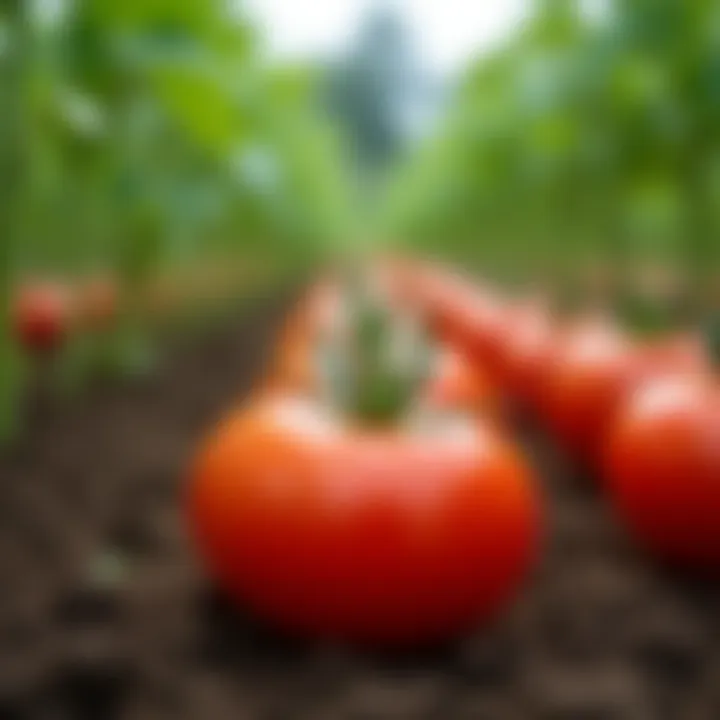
(378, 538)
(41, 316)
(662, 466)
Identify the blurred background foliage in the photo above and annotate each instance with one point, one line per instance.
(154, 138)
(589, 135)
(149, 131)
(149, 139)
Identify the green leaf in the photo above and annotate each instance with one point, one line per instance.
(203, 105)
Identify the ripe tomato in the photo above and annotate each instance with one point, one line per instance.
(472, 321)
(592, 371)
(41, 316)
(526, 357)
(384, 537)
(581, 387)
(458, 384)
(662, 465)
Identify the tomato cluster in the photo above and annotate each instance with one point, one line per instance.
(416, 530)
(643, 415)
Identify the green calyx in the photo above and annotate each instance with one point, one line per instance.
(375, 364)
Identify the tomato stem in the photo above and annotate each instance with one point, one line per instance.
(374, 366)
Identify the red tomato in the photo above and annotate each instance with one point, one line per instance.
(386, 537)
(458, 384)
(593, 370)
(41, 316)
(662, 466)
(526, 357)
(474, 323)
(584, 383)
(492, 323)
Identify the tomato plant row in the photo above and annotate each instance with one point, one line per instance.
(642, 414)
(370, 489)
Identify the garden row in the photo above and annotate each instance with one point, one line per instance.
(371, 488)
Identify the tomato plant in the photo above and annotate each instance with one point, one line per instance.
(662, 464)
(375, 536)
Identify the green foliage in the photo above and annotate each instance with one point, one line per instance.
(127, 139)
(580, 137)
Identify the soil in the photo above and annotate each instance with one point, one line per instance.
(105, 613)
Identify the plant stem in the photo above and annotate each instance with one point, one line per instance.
(375, 372)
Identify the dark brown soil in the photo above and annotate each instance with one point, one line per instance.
(105, 614)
